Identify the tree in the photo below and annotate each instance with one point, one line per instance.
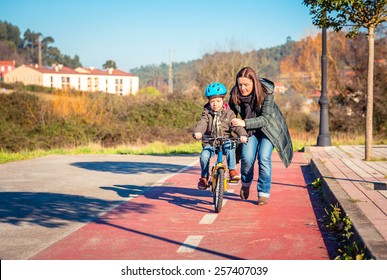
(10, 34)
(302, 65)
(354, 14)
(45, 42)
(53, 56)
(30, 42)
(110, 64)
(222, 67)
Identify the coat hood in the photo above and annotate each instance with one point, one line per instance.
(269, 85)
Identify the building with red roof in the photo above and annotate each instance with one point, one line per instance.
(6, 66)
(83, 79)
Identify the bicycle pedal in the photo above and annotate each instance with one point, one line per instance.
(233, 182)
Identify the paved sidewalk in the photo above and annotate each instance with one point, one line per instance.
(359, 187)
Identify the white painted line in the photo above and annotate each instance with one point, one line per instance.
(208, 219)
(224, 202)
(230, 190)
(190, 244)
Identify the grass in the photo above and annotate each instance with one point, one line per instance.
(156, 148)
(159, 148)
(300, 140)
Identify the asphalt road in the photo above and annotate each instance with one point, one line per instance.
(45, 199)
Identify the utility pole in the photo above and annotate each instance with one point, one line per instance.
(324, 139)
(39, 51)
(170, 80)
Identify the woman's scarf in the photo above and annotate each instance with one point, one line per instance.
(248, 109)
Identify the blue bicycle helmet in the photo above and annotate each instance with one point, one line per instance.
(215, 89)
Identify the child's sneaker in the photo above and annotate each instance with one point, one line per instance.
(202, 185)
(233, 175)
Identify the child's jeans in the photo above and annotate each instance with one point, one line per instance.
(208, 151)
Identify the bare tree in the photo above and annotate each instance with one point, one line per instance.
(354, 14)
(222, 67)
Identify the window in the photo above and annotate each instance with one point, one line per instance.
(96, 84)
(89, 87)
(65, 83)
(119, 86)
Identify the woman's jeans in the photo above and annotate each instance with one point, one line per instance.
(262, 149)
(228, 149)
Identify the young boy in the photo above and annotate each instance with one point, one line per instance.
(216, 121)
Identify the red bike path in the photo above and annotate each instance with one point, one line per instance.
(175, 220)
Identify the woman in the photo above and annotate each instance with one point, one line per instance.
(253, 100)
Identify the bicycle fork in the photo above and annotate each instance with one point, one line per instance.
(214, 172)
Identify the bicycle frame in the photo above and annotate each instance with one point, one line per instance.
(218, 165)
(218, 181)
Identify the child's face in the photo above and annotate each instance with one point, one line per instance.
(216, 103)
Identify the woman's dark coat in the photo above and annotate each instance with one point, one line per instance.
(272, 123)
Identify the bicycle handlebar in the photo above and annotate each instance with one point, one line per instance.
(221, 139)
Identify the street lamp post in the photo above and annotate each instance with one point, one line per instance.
(324, 139)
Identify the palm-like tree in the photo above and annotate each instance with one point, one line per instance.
(30, 42)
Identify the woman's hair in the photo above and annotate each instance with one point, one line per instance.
(258, 89)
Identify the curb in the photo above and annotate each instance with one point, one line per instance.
(364, 230)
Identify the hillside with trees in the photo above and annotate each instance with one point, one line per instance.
(53, 119)
(298, 66)
(24, 49)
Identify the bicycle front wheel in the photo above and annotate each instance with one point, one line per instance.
(219, 190)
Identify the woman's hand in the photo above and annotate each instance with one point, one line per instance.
(238, 122)
(243, 139)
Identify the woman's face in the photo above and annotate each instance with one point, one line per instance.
(245, 85)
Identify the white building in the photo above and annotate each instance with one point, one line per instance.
(82, 79)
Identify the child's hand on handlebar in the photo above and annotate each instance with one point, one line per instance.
(198, 136)
(243, 139)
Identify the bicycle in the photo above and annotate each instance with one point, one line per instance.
(218, 182)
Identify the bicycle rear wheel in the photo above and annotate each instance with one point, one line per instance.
(219, 190)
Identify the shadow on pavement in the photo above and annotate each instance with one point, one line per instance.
(168, 240)
(126, 191)
(290, 185)
(192, 199)
(53, 209)
(132, 167)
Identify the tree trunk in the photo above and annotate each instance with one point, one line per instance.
(370, 95)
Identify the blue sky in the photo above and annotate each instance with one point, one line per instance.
(141, 32)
